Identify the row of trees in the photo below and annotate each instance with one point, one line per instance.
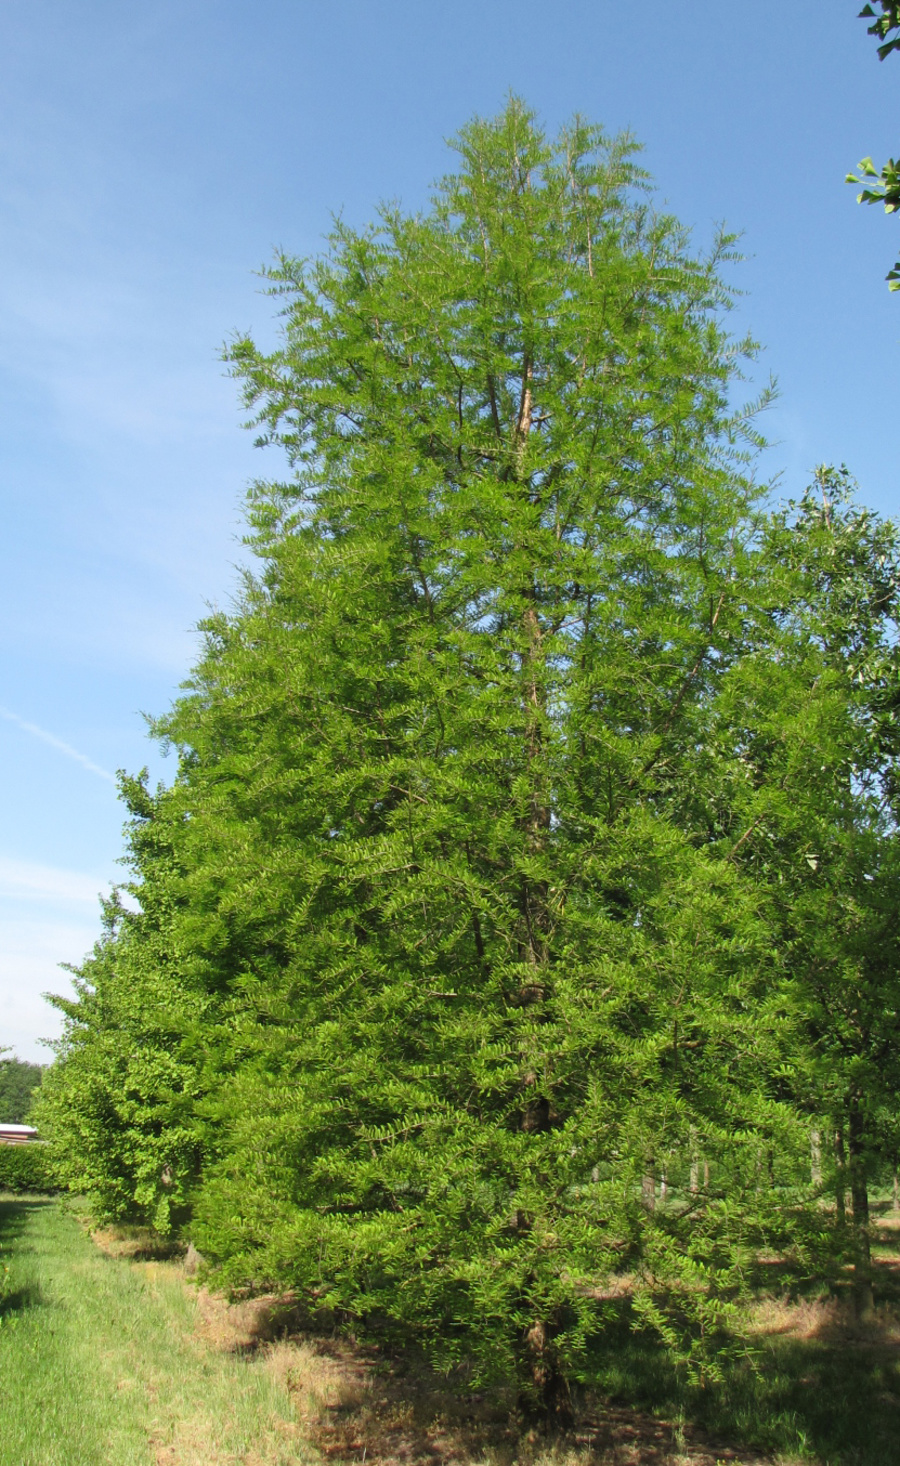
(517, 937)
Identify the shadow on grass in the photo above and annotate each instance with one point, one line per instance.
(19, 1301)
(15, 1213)
(814, 1387)
(135, 1244)
(832, 1394)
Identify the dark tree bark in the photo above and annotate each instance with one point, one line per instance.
(863, 1298)
(545, 1399)
(840, 1162)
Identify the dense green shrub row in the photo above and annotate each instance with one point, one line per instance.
(26, 1168)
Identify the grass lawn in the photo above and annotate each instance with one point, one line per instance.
(818, 1392)
(108, 1357)
(101, 1363)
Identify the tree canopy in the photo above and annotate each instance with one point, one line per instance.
(496, 941)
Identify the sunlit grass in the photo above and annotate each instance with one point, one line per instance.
(108, 1358)
(100, 1364)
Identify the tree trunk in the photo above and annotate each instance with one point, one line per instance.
(815, 1158)
(863, 1299)
(545, 1399)
(840, 1164)
(534, 896)
(648, 1188)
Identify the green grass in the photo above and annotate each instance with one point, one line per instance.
(100, 1363)
(831, 1397)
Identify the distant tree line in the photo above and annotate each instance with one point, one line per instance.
(18, 1082)
(516, 945)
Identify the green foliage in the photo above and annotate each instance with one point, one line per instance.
(119, 1104)
(826, 1398)
(18, 1082)
(505, 971)
(27, 1168)
(886, 189)
(884, 25)
(529, 834)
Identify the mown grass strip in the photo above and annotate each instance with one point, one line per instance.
(100, 1364)
(108, 1360)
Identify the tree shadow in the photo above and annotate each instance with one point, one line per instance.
(136, 1244)
(19, 1301)
(15, 1216)
(15, 1213)
(838, 1395)
(813, 1382)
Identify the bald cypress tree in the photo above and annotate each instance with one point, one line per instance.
(482, 963)
(451, 944)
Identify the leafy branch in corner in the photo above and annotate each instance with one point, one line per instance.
(886, 189)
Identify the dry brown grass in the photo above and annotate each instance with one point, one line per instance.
(133, 1244)
(242, 1327)
(829, 1320)
(363, 1405)
(333, 1400)
(373, 1407)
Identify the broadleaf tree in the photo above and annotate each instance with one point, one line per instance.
(18, 1082)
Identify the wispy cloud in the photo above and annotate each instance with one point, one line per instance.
(57, 743)
(48, 916)
(25, 878)
(32, 947)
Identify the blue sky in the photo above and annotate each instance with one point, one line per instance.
(151, 159)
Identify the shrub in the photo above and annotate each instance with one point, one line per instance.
(27, 1168)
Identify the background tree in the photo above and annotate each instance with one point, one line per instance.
(815, 717)
(18, 1082)
(120, 1103)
